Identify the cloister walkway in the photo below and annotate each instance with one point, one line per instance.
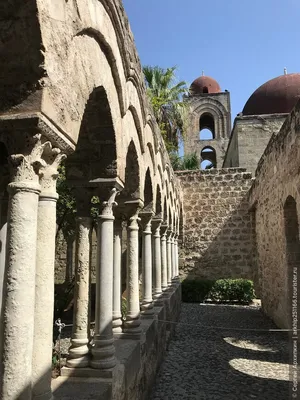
(232, 363)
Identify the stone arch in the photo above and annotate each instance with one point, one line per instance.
(96, 154)
(207, 124)
(107, 50)
(165, 211)
(148, 192)
(158, 203)
(208, 157)
(132, 174)
(138, 126)
(151, 152)
(291, 227)
(160, 176)
(217, 111)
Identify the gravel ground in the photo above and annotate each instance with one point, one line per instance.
(232, 363)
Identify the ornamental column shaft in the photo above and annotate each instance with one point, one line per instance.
(157, 258)
(176, 257)
(79, 350)
(19, 295)
(147, 302)
(44, 277)
(104, 351)
(164, 261)
(117, 283)
(169, 256)
(133, 321)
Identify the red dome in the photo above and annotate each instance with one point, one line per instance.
(205, 84)
(279, 95)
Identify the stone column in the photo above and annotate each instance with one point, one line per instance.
(117, 284)
(3, 234)
(19, 291)
(147, 302)
(169, 256)
(44, 277)
(164, 260)
(157, 260)
(173, 259)
(79, 350)
(176, 257)
(104, 351)
(133, 321)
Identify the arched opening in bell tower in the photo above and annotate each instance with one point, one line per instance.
(208, 158)
(207, 127)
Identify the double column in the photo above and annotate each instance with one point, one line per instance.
(157, 261)
(28, 289)
(103, 352)
(132, 324)
(79, 350)
(164, 259)
(147, 302)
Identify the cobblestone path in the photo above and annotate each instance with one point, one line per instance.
(233, 363)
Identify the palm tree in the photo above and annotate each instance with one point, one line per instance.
(165, 95)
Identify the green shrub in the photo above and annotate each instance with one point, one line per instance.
(195, 290)
(198, 290)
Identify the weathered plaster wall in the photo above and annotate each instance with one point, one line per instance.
(250, 137)
(217, 230)
(277, 177)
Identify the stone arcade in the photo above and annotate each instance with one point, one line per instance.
(77, 91)
(71, 87)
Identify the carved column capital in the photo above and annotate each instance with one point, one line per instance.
(26, 167)
(163, 230)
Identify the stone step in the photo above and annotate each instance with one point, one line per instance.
(65, 388)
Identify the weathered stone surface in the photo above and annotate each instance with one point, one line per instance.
(217, 230)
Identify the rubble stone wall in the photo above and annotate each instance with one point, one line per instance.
(277, 180)
(217, 229)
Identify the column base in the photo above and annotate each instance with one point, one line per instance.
(158, 299)
(117, 325)
(133, 327)
(78, 356)
(103, 354)
(147, 310)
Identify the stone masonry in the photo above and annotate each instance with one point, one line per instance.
(217, 229)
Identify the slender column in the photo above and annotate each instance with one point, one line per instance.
(3, 234)
(164, 264)
(169, 256)
(117, 290)
(19, 307)
(69, 266)
(104, 351)
(147, 302)
(79, 350)
(173, 259)
(44, 277)
(176, 256)
(157, 258)
(133, 321)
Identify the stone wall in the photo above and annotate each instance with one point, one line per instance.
(217, 229)
(277, 178)
(250, 136)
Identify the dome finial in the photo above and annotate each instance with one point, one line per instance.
(285, 71)
(202, 73)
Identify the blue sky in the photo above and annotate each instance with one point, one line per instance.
(240, 43)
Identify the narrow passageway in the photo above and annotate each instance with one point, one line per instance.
(235, 362)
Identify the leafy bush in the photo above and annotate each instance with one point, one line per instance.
(198, 290)
(195, 290)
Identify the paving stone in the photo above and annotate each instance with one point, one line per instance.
(222, 352)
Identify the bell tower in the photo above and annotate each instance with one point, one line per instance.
(209, 122)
